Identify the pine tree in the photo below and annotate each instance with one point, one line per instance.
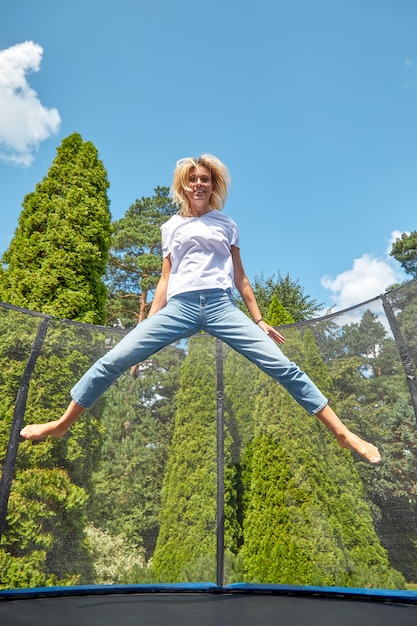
(136, 258)
(404, 250)
(59, 252)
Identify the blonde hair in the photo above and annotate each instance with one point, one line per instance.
(220, 179)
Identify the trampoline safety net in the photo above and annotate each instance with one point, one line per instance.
(195, 466)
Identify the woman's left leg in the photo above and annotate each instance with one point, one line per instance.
(231, 325)
(228, 323)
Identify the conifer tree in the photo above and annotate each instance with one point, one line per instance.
(54, 265)
(47, 504)
(374, 400)
(186, 546)
(404, 250)
(241, 389)
(278, 314)
(136, 258)
(306, 520)
(58, 255)
(289, 293)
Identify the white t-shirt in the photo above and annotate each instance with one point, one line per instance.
(200, 251)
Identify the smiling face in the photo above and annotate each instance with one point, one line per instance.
(199, 190)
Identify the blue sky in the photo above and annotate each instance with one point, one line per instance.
(311, 104)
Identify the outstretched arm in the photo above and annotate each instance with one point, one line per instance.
(160, 297)
(245, 289)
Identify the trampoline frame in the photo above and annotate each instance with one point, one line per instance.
(346, 593)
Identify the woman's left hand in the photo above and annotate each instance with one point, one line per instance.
(271, 332)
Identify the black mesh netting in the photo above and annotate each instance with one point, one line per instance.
(195, 466)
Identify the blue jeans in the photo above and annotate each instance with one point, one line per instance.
(211, 310)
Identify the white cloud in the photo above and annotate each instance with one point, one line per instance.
(368, 278)
(24, 121)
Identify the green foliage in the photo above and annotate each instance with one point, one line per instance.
(306, 520)
(17, 334)
(404, 301)
(67, 352)
(392, 488)
(138, 419)
(374, 401)
(114, 557)
(136, 258)
(54, 264)
(404, 250)
(288, 292)
(50, 498)
(27, 572)
(188, 517)
(45, 529)
(277, 314)
(241, 382)
(366, 339)
(204, 568)
(59, 252)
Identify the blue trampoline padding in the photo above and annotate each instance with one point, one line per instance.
(393, 595)
(88, 590)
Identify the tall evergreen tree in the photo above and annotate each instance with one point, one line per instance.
(306, 520)
(58, 255)
(241, 381)
(54, 264)
(186, 546)
(241, 388)
(49, 494)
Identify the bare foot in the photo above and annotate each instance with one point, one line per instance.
(367, 450)
(40, 431)
(57, 428)
(346, 438)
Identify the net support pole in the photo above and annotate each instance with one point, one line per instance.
(220, 464)
(405, 355)
(17, 423)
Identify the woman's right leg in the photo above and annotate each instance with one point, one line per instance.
(172, 323)
(177, 320)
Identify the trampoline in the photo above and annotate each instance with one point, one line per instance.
(206, 605)
(342, 521)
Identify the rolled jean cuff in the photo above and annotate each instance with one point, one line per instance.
(81, 404)
(320, 408)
